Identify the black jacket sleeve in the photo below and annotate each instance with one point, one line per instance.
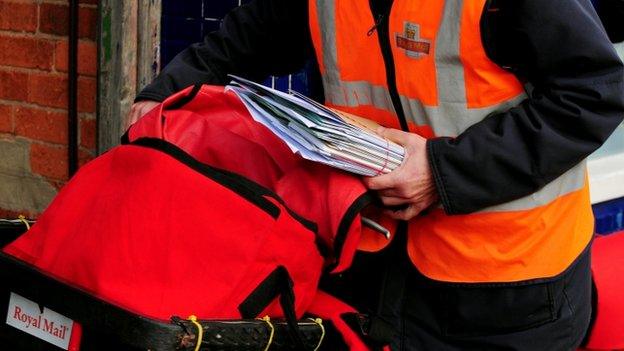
(256, 40)
(576, 100)
(611, 13)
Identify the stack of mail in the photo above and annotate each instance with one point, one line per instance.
(318, 133)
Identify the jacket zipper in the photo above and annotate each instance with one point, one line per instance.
(382, 26)
(378, 21)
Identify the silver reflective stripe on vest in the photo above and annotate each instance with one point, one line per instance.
(452, 119)
(452, 116)
(327, 17)
(569, 182)
(449, 68)
(353, 94)
(337, 91)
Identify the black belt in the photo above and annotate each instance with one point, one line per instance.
(247, 335)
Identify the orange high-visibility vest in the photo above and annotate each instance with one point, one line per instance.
(445, 83)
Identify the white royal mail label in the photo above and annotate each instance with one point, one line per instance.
(50, 326)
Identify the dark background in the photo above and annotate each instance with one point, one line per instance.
(187, 22)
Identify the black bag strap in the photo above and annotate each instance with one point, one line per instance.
(278, 283)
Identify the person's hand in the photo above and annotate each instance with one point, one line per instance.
(411, 184)
(137, 111)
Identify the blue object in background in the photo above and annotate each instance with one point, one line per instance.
(187, 22)
(217, 9)
(609, 216)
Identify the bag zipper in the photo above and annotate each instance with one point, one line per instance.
(248, 189)
(373, 29)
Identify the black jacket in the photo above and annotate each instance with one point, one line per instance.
(611, 13)
(574, 78)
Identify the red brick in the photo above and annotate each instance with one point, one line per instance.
(87, 25)
(87, 57)
(87, 87)
(18, 16)
(89, 2)
(54, 19)
(39, 124)
(48, 89)
(87, 133)
(49, 161)
(13, 85)
(6, 119)
(26, 52)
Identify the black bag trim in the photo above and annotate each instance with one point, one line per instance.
(277, 283)
(345, 223)
(239, 185)
(272, 286)
(11, 230)
(322, 247)
(310, 225)
(185, 99)
(125, 138)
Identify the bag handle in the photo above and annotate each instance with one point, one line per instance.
(276, 283)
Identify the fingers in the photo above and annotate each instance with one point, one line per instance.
(391, 186)
(137, 111)
(397, 197)
(393, 193)
(395, 135)
(132, 117)
(415, 206)
(385, 181)
(389, 180)
(405, 215)
(394, 201)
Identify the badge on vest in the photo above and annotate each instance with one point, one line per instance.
(410, 41)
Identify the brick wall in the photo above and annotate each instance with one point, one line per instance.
(33, 99)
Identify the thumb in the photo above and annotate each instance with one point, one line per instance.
(395, 135)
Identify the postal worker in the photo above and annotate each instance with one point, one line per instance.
(498, 104)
